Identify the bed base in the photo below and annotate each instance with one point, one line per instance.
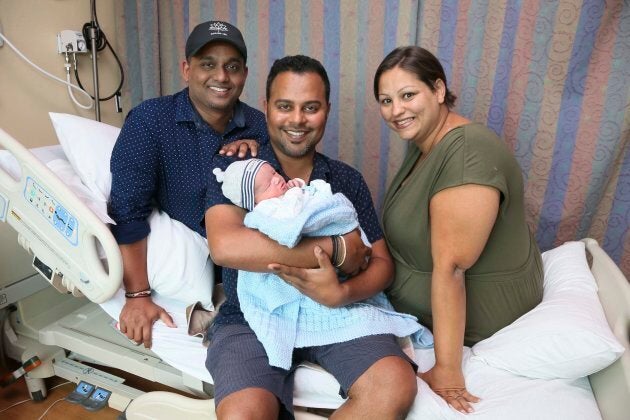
(63, 344)
(82, 332)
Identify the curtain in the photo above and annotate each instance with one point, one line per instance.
(552, 78)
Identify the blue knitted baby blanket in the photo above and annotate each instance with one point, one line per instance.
(281, 316)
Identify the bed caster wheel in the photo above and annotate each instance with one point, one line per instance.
(36, 388)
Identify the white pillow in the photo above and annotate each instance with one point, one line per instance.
(566, 335)
(177, 259)
(88, 145)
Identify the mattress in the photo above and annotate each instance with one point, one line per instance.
(504, 395)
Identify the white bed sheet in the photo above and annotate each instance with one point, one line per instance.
(45, 154)
(504, 395)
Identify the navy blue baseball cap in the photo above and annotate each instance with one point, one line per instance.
(215, 30)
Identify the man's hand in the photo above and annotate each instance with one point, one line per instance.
(137, 318)
(449, 384)
(240, 147)
(296, 182)
(357, 253)
(320, 284)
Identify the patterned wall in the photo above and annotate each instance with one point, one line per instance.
(550, 77)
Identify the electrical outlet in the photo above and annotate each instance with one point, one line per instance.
(71, 42)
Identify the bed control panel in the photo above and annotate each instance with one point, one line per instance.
(58, 216)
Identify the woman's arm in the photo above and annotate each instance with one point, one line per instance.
(461, 221)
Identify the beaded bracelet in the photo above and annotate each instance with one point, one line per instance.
(141, 293)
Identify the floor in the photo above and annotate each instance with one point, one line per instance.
(54, 407)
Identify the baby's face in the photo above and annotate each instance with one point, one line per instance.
(268, 184)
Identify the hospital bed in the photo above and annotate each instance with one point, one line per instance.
(72, 331)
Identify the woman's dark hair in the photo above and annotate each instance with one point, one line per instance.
(418, 61)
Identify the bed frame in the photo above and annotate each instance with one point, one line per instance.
(611, 386)
(64, 330)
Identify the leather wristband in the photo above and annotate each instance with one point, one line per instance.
(339, 251)
(335, 250)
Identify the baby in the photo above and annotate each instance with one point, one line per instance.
(246, 183)
(281, 317)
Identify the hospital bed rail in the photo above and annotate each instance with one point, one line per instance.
(611, 384)
(45, 216)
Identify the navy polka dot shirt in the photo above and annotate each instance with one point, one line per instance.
(162, 159)
(341, 177)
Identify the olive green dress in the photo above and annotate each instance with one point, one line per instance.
(507, 279)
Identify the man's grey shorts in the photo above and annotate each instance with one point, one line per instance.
(236, 360)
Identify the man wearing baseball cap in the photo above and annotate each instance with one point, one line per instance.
(207, 32)
(163, 153)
